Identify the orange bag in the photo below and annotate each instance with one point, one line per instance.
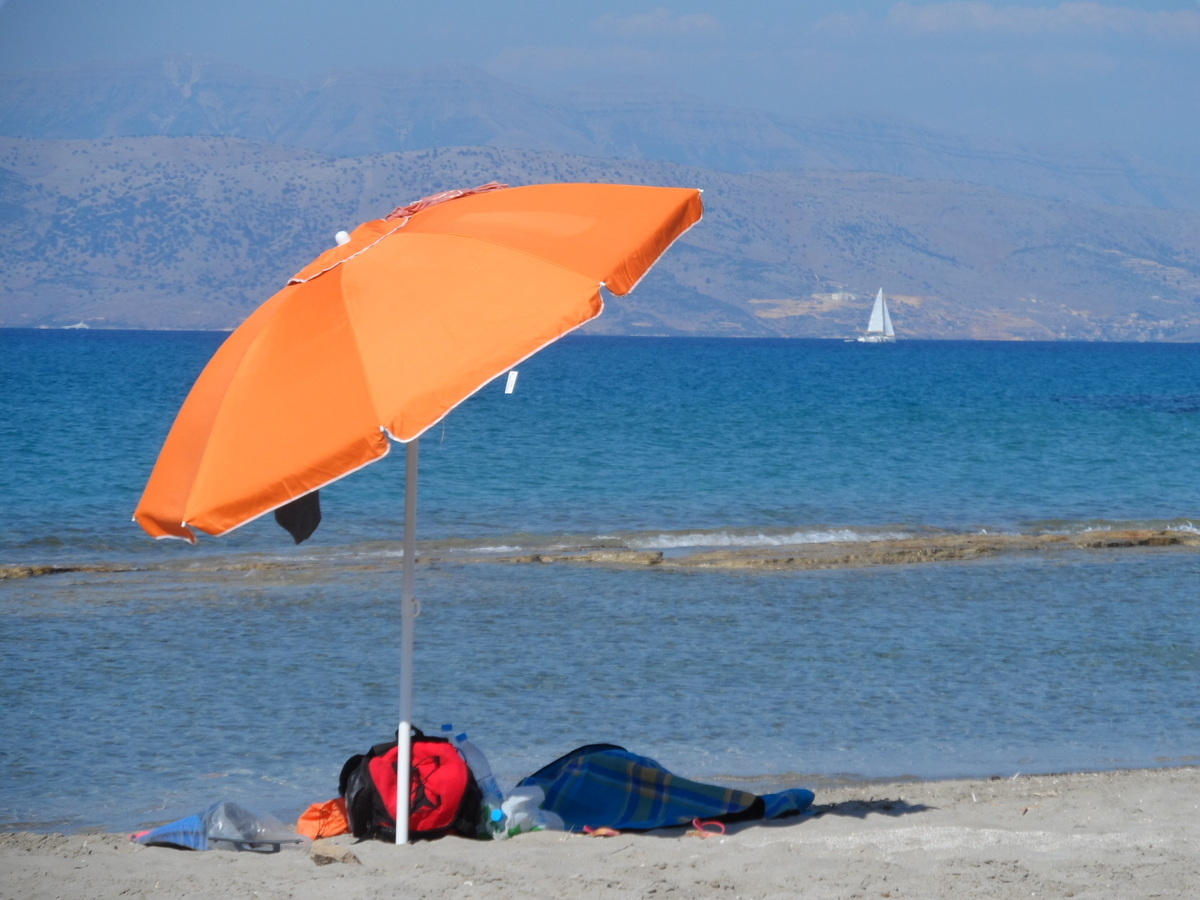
(323, 820)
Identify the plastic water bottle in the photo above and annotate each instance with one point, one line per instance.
(493, 798)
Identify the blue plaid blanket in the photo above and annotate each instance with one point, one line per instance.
(606, 785)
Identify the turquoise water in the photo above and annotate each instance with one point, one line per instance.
(191, 676)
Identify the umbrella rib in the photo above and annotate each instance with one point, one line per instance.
(296, 279)
(661, 254)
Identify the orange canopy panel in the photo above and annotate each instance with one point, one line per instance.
(384, 335)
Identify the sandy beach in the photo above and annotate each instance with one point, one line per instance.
(1107, 835)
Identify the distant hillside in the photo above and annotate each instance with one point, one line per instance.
(362, 113)
(180, 193)
(193, 232)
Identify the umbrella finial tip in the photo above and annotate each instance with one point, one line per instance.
(342, 237)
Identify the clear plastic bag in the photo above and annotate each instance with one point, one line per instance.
(230, 826)
(523, 812)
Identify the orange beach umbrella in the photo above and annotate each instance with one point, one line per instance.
(380, 337)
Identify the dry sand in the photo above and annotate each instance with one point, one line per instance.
(1130, 834)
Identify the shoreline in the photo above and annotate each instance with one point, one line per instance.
(851, 554)
(876, 552)
(1122, 833)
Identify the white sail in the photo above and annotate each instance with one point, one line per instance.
(888, 331)
(878, 312)
(879, 326)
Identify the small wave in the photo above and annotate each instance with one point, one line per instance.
(682, 540)
(1063, 527)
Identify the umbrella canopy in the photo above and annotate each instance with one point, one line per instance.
(380, 337)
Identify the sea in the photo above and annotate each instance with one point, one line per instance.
(144, 680)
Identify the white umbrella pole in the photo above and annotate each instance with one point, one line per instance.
(407, 615)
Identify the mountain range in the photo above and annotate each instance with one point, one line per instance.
(180, 193)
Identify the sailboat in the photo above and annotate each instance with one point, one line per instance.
(879, 328)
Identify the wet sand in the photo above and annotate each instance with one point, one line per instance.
(1125, 834)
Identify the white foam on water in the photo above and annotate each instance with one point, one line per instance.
(1091, 527)
(678, 540)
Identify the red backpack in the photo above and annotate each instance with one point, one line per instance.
(443, 796)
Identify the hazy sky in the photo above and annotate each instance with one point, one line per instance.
(1119, 73)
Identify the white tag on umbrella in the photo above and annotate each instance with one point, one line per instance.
(512, 381)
